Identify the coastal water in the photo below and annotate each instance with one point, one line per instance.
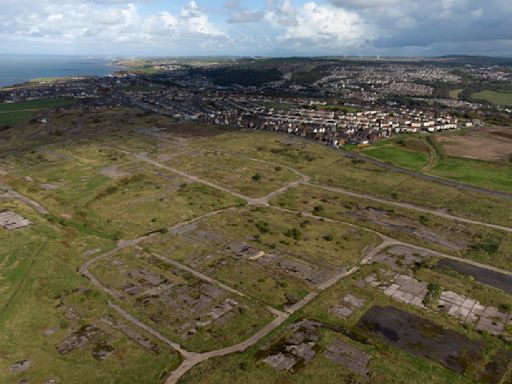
(18, 69)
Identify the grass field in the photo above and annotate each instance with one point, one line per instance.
(312, 244)
(41, 290)
(459, 239)
(247, 176)
(498, 98)
(489, 175)
(16, 113)
(455, 93)
(329, 167)
(401, 157)
(37, 104)
(97, 194)
(280, 106)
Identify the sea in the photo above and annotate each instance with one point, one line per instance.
(20, 68)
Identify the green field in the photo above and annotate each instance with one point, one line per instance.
(498, 98)
(171, 225)
(37, 104)
(279, 106)
(489, 175)
(16, 113)
(458, 239)
(401, 157)
(455, 93)
(13, 118)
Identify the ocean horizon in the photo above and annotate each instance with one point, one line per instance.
(16, 69)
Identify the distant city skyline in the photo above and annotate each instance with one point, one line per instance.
(256, 27)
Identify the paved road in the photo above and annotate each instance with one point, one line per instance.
(189, 363)
(435, 179)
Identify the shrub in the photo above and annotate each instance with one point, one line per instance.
(433, 293)
(262, 226)
(294, 233)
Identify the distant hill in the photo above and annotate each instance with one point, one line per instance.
(477, 60)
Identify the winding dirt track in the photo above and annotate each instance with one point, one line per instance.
(7, 193)
(191, 359)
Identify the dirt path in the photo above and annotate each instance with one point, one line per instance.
(188, 364)
(433, 156)
(148, 329)
(148, 160)
(6, 192)
(414, 207)
(193, 359)
(204, 277)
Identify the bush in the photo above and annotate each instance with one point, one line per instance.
(262, 226)
(423, 220)
(328, 237)
(487, 245)
(433, 294)
(256, 177)
(294, 233)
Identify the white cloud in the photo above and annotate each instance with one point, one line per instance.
(314, 27)
(78, 22)
(232, 4)
(246, 16)
(276, 27)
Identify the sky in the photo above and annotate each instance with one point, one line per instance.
(256, 27)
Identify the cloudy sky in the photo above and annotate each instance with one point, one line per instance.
(256, 27)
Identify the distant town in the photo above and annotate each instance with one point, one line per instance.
(335, 101)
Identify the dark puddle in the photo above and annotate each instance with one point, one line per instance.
(484, 276)
(421, 337)
(425, 338)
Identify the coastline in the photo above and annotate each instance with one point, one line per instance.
(16, 71)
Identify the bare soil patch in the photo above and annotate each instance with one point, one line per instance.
(490, 143)
(113, 172)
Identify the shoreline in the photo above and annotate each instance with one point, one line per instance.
(44, 69)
